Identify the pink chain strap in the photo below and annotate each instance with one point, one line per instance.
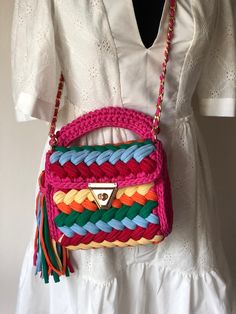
(156, 119)
(170, 34)
(51, 133)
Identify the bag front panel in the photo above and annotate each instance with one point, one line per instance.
(134, 216)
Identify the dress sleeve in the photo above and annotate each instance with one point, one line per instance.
(35, 65)
(216, 91)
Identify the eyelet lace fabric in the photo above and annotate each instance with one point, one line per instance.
(104, 64)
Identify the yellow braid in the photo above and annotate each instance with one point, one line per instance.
(80, 196)
(106, 244)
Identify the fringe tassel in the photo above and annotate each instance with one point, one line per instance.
(50, 258)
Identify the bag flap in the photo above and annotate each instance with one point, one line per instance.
(132, 163)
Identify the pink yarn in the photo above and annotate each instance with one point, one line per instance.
(136, 121)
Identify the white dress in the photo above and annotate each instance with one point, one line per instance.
(97, 45)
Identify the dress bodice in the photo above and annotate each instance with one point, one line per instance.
(99, 49)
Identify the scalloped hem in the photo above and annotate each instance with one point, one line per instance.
(140, 288)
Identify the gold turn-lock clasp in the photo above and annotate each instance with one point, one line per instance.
(103, 193)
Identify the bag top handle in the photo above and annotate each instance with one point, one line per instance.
(156, 119)
(126, 118)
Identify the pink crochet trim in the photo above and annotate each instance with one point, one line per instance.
(137, 122)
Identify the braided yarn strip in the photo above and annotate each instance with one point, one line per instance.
(100, 225)
(95, 245)
(102, 147)
(122, 169)
(126, 216)
(98, 164)
(79, 200)
(110, 155)
(116, 236)
(106, 215)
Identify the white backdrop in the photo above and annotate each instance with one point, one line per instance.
(21, 146)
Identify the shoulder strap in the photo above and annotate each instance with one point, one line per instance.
(156, 119)
(170, 34)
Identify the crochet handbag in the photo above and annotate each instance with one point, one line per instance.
(102, 196)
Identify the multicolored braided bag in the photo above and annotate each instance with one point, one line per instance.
(102, 196)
